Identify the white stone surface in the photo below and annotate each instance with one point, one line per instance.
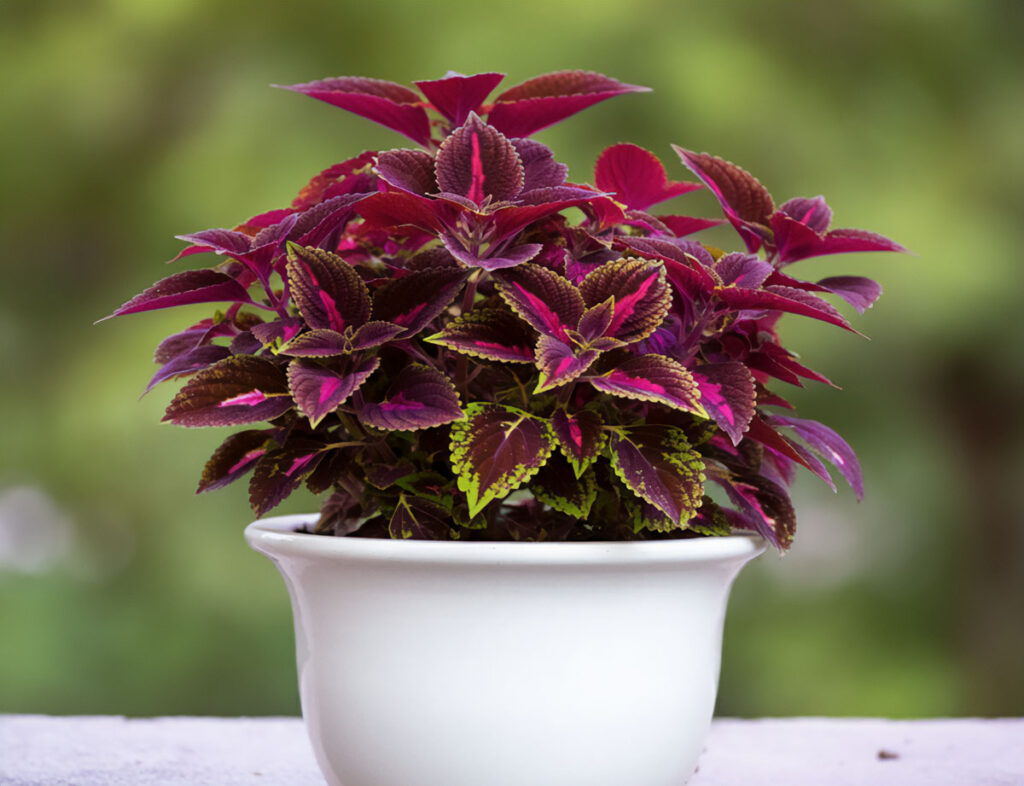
(111, 751)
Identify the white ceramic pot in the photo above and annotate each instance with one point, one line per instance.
(425, 663)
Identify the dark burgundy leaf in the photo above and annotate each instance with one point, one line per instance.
(560, 363)
(320, 343)
(642, 296)
(420, 397)
(658, 465)
(580, 436)
(419, 519)
(489, 259)
(455, 95)
(181, 289)
(478, 162)
(546, 300)
(540, 170)
(743, 270)
(277, 474)
(653, 378)
(775, 360)
(794, 240)
(234, 391)
(188, 363)
(319, 390)
(375, 333)
(409, 170)
(765, 507)
(636, 177)
(220, 241)
(727, 393)
(778, 298)
(489, 333)
(687, 225)
(235, 456)
(414, 300)
(859, 292)
(812, 212)
(283, 330)
(398, 208)
(557, 485)
(347, 177)
(392, 105)
(495, 450)
(545, 100)
(326, 289)
(828, 444)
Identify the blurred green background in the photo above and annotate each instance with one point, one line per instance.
(128, 121)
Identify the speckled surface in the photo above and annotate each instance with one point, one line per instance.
(111, 751)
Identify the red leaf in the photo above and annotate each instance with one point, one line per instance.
(455, 95)
(409, 170)
(636, 177)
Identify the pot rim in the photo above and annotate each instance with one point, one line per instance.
(278, 536)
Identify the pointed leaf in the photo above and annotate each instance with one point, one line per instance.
(419, 519)
(477, 161)
(687, 225)
(812, 212)
(392, 105)
(420, 397)
(234, 391)
(488, 259)
(235, 456)
(414, 300)
(495, 450)
(545, 100)
(283, 330)
(795, 240)
(188, 287)
(546, 300)
(580, 437)
(346, 177)
(778, 298)
(489, 333)
(409, 170)
(455, 95)
(320, 343)
(398, 208)
(765, 507)
(559, 363)
(828, 444)
(558, 486)
(658, 465)
(540, 170)
(859, 292)
(375, 333)
(326, 289)
(642, 296)
(319, 390)
(653, 378)
(277, 474)
(743, 270)
(188, 363)
(636, 177)
(727, 393)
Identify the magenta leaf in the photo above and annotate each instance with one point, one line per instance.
(477, 161)
(390, 104)
(319, 390)
(727, 393)
(489, 333)
(234, 391)
(859, 292)
(765, 508)
(188, 363)
(219, 241)
(581, 437)
(827, 443)
(283, 330)
(636, 177)
(181, 289)
(812, 212)
(546, 300)
(794, 240)
(277, 474)
(560, 363)
(779, 298)
(399, 208)
(687, 225)
(540, 170)
(420, 397)
(743, 270)
(414, 300)
(495, 450)
(408, 170)
(557, 485)
(419, 519)
(235, 457)
(746, 203)
(653, 378)
(658, 465)
(545, 100)
(642, 296)
(326, 289)
(456, 95)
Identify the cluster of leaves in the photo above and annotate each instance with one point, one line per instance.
(430, 338)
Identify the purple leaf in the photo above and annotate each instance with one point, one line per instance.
(812, 212)
(859, 292)
(495, 450)
(559, 363)
(235, 456)
(188, 363)
(319, 343)
(540, 170)
(420, 397)
(398, 208)
(687, 225)
(408, 170)
(580, 436)
(181, 289)
(828, 444)
(642, 296)
(545, 100)
(653, 378)
(658, 465)
(546, 300)
(743, 270)
(277, 474)
(477, 161)
(234, 391)
(319, 390)
(765, 508)
(317, 224)
(557, 485)
(414, 300)
(778, 298)
(636, 177)
(455, 95)
(488, 333)
(746, 203)
(283, 330)
(392, 105)
(347, 177)
(489, 260)
(795, 241)
(419, 519)
(374, 334)
(326, 289)
(727, 393)
(219, 241)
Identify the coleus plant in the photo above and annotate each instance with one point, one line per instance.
(430, 338)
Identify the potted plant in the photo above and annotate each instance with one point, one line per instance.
(538, 412)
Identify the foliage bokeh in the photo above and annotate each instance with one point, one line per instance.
(129, 122)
